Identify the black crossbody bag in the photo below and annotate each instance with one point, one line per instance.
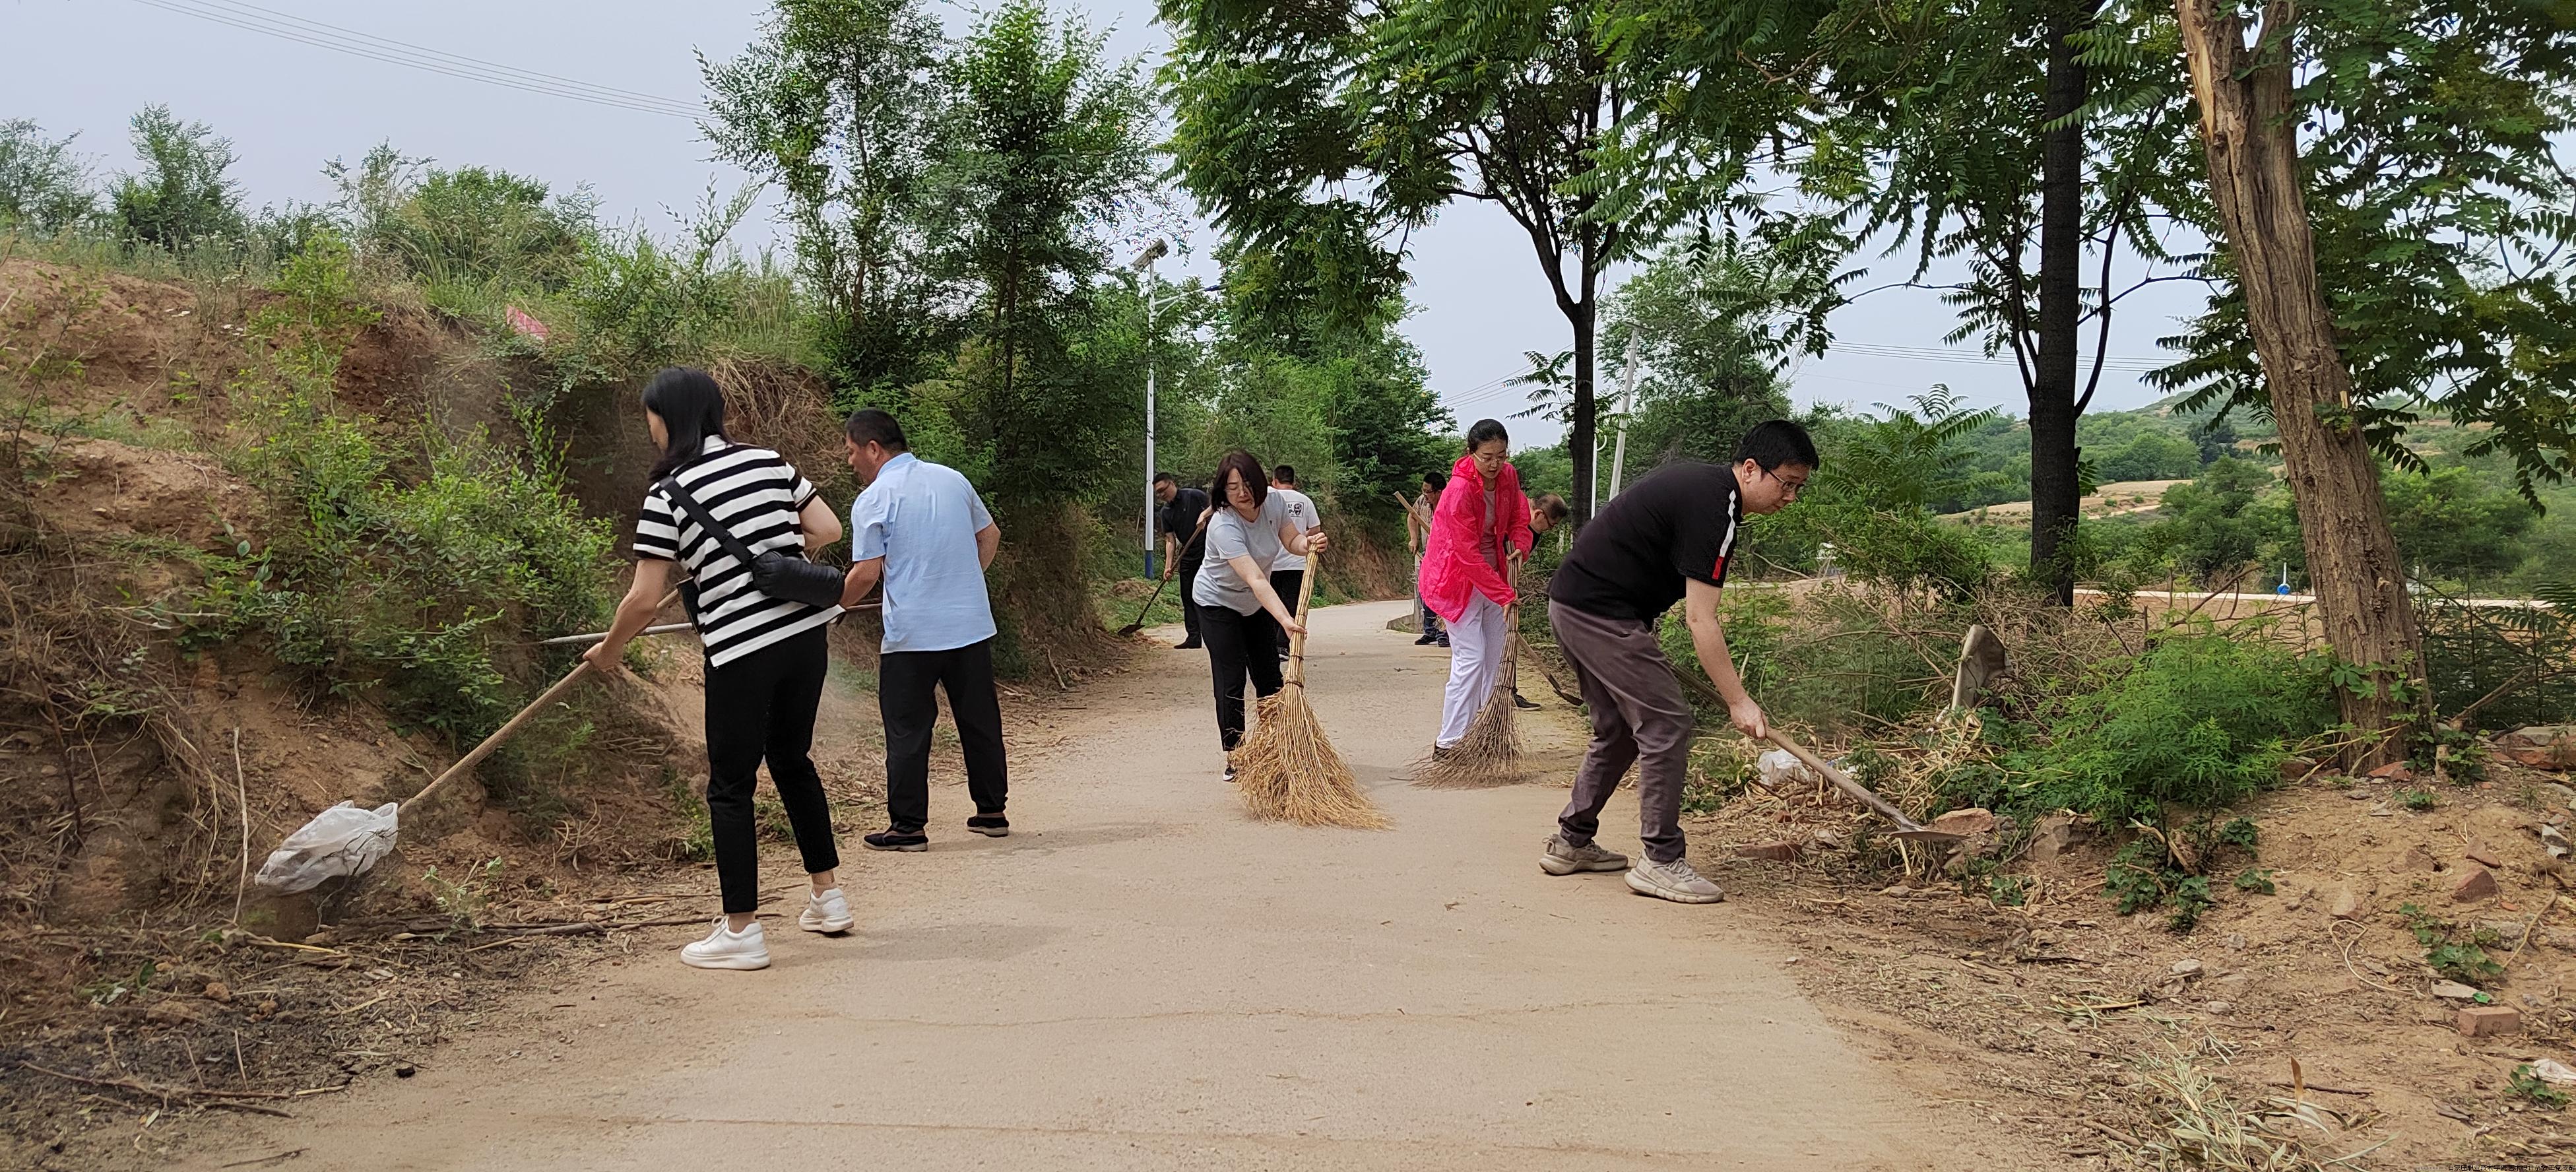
(777, 573)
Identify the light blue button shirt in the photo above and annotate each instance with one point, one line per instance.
(922, 518)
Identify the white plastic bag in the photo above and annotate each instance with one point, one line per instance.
(1781, 767)
(343, 840)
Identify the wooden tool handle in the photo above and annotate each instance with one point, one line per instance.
(1159, 583)
(1859, 793)
(467, 763)
(1297, 642)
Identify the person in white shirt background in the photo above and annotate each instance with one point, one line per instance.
(1288, 574)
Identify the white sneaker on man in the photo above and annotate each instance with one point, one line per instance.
(1675, 881)
(826, 912)
(726, 949)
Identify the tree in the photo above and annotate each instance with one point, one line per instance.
(1034, 164)
(2408, 258)
(182, 196)
(1709, 322)
(1983, 121)
(43, 185)
(1349, 124)
(838, 103)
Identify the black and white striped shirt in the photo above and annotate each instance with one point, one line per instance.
(757, 494)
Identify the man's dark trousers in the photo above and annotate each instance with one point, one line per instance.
(1286, 584)
(1185, 576)
(905, 684)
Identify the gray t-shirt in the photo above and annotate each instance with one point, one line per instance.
(1229, 536)
(1301, 509)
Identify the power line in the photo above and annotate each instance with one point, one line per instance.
(399, 53)
(608, 91)
(1930, 354)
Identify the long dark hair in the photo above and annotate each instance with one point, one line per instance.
(1484, 431)
(692, 408)
(1249, 466)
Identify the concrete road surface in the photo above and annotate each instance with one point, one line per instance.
(1143, 978)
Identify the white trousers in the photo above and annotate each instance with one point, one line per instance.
(1476, 644)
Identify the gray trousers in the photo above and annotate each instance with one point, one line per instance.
(1638, 718)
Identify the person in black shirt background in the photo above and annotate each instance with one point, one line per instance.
(1664, 540)
(1184, 545)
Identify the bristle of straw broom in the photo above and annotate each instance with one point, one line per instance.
(1287, 770)
(1490, 753)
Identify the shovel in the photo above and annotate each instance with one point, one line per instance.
(1907, 829)
(1157, 595)
(347, 841)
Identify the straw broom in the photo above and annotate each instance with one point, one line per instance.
(1490, 753)
(1287, 769)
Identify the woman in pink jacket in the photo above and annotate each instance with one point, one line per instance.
(1479, 534)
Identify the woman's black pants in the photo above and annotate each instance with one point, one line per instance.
(1238, 645)
(762, 706)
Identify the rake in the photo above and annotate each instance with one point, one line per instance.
(1157, 595)
(1907, 829)
(1287, 769)
(347, 840)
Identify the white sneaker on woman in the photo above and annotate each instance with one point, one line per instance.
(825, 912)
(726, 949)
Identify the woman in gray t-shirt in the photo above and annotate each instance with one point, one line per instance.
(1240, 616)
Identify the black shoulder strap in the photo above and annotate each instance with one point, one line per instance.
(724, 536)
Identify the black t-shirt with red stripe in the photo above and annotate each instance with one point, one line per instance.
(1676, 525)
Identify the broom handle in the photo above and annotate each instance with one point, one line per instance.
(1159, 583)
(1297, 642)
(467, 763)
(1859, 793)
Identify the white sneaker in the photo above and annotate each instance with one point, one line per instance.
(1675, 881)
(723, 949)
(825, 913)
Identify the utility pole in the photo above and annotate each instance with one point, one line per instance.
(1627, 403)
(1144, 265)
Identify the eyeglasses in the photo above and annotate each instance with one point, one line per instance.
(1789, 487)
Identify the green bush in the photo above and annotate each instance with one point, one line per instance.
(415, 580)
(2198, 719)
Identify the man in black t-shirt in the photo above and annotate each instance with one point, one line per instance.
(1184, 544)
(1663, 540)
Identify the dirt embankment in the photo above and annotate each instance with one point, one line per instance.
(2313, 1008)
(143, 772)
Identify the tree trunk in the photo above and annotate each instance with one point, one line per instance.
(2249, 133)
(2055, 495)
(1586, 427)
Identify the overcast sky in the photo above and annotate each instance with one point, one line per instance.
(87, 65)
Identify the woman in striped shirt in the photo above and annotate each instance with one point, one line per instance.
(766, 657)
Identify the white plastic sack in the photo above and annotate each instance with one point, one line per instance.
(1781, 767)
(343, 840)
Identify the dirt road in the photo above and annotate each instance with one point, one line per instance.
(1141, 978)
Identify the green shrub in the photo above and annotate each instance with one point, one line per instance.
(416, 580)
(2199, 719)
(2449, 953)
(2529, 1085)
(2152, 871)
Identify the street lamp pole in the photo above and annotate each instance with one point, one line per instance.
(1144, 264)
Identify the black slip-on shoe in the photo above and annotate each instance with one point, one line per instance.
(892, 839)
(990, 825)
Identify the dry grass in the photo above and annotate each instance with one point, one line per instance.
(1490, 753)
(1288, 770)
(2195, 1123)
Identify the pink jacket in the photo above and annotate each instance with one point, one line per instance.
(1453, 565)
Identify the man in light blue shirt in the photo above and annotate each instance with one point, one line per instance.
(920, 530)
